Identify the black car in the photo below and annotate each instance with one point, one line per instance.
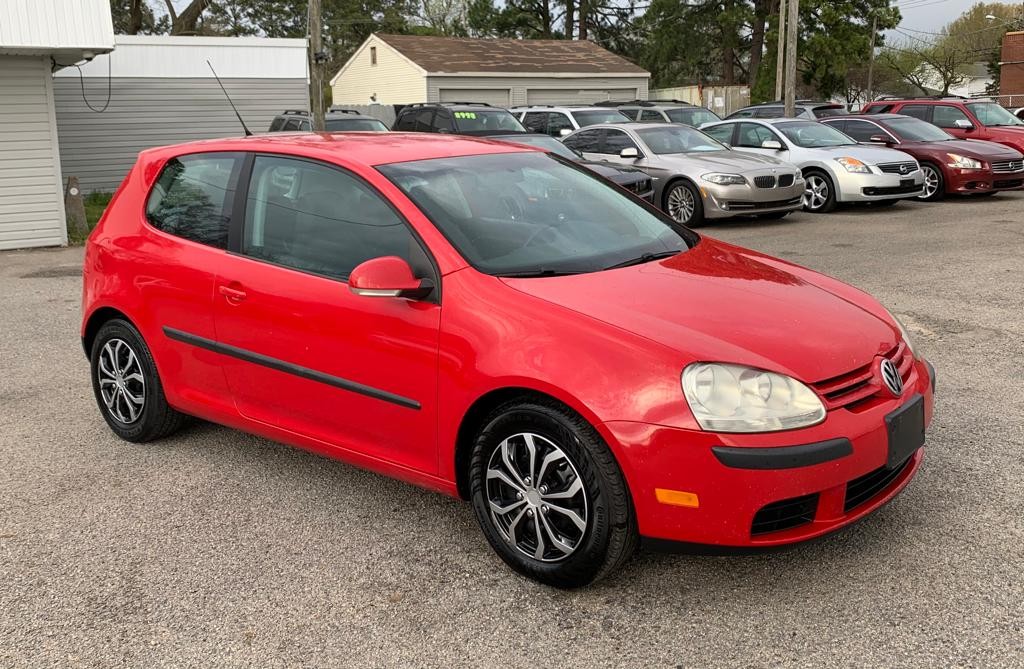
(457, 118)
(335, 120)
(632, 179)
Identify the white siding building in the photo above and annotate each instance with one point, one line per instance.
(36, 37)
(162, 92)
(402, 69)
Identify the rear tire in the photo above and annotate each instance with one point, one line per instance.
(934, 184)
(127, 386)
(515, 496)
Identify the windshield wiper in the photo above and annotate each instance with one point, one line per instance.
(645, 258)
(535, 273)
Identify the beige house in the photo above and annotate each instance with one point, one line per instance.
(402, 69)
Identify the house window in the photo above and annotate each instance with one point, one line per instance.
(373, 55)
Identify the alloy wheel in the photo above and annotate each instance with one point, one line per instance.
(122, 384)
(931, 182)
(536, 497)
(815, 192)
(681, 204)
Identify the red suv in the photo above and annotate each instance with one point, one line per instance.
(950, 165)
(497, 323)
(964, 118)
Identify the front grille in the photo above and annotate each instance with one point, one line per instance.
(865, 488)
(898, 168)
(894, 190)
(1007, 183)
(764, 182)
(784, 515)
(786, 180)
(855, 386)
(1008, 166)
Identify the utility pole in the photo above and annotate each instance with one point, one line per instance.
(780, 58)
(316, 58)
(791, 35)
(871, 61)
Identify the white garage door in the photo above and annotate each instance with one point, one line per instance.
(492, 96)
(565, 96)
(31, 206)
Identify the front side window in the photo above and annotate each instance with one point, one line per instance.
(678, 139)
(192, 197)
(946, 116)
(723, 133)
(315, 218)
(753, 136)
(530, 214)
(989, 113)
(615, 141)
(595, 116)
(812, 135)
(588, 141)
(923, 112)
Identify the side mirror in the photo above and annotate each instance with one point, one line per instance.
(388, 276)
(564, 132)
(963, 124)
(773, 144)
(879, 139)
(629, 153)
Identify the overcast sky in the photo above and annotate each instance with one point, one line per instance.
(931, 15)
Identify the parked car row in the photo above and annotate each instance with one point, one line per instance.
(755, 162)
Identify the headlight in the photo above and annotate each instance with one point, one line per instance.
(733, 398)
(963, 162)
(904, 334)
(724, 179)
(854, 165)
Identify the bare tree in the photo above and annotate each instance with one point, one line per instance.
(185, 22)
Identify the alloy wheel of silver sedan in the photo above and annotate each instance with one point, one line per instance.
(536, 497)
(816, 192)
(681, 203)
(931, 182)
(122, 384)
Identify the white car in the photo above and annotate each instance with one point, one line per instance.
(835, 167)
(561, 121)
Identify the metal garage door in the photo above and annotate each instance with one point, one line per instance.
(565, 96)
(492, 96)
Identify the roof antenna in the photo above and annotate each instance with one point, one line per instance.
(248, 133)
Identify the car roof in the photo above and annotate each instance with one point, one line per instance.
(634, 125)
(888, 116)
(363, 148)
(569, 107)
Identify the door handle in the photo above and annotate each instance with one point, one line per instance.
(232, 295)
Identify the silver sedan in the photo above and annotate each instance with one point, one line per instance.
(836, 168)
(695, 177)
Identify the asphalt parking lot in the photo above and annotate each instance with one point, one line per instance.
(215, 548)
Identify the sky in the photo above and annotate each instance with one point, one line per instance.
(931, 15)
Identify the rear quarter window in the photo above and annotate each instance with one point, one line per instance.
(192, 197)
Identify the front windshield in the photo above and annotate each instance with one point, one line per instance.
(668, 139)
(811, 135)
(594, 116)
(354, 125)
(696, 117)
(531, 214)
(546, 142)
(989, 113)
(486, 121)
(916, 130)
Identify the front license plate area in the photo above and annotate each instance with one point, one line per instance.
(906, 182)
(906, 431)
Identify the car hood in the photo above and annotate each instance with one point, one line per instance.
(719, 161)
(718, 302)
(871, 155)
(972, 148)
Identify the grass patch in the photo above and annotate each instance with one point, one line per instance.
(95, 204)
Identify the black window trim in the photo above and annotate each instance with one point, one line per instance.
(236, 223)
(229, 203)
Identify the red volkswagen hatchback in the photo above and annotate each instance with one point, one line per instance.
(493, 322)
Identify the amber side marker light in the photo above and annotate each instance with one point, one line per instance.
(676, 498)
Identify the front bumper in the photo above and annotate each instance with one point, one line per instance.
(835, 463)
(725, 201)
(854, 187)
(982, 181)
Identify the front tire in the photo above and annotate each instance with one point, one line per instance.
(819, 193)
(127, 386)
(934, 184)
(549, 496)
(683, 204)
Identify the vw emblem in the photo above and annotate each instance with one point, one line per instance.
(891, 378)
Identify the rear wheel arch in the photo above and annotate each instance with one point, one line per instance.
(96, 320)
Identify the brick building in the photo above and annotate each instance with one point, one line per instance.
(1011, 73)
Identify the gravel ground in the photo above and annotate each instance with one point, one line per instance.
(215, 548)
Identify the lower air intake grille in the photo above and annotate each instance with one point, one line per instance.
(863, 489)
(784, 515)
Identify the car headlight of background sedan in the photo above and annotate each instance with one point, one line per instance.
(963, 162)
(734, 398)
(853, 165)
(724, 179)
